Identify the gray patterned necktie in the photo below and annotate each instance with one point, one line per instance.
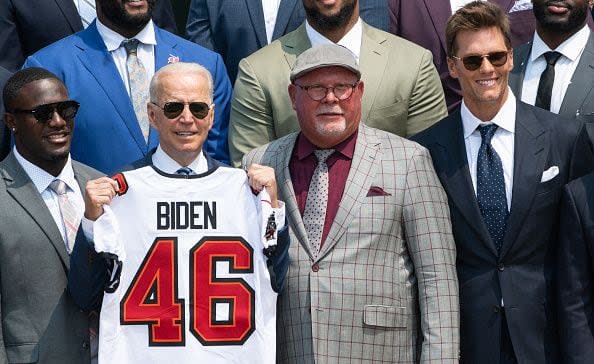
(185, 171)
(70, 217)
(317, 201)
(138, 82)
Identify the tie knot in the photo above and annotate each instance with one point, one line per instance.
(487, 132)
(184, 171)
(131, 45)
(552, 57)
(323, 154)
(58, 186)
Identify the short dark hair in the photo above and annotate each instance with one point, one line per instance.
(474, 16)
(21, 78)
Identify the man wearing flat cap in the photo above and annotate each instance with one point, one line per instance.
(372, 261)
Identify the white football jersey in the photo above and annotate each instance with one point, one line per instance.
(194, 286)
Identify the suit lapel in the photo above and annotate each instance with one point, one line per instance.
(287, 192)
(580, 85)
(364, 167)
(285, 10)
(294, 44)
(373, 62)
(530, 141)
(455, 176)
(101, 66)
(439, 12)
(22, 189)
(516, 76)
(70, 14)
(257, 18)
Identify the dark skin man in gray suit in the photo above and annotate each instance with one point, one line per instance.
(40, 323)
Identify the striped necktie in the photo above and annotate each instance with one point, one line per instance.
(70, 217)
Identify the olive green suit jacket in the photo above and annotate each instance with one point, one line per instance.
(403, 93)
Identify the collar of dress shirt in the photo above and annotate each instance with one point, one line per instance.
(572, 48)
(505, 118)
(351, 40)
(41, 179)
(113, 40)
(166, 164)
(347, 147)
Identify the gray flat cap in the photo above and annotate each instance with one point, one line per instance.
(326, 55)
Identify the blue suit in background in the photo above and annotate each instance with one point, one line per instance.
(106, 134)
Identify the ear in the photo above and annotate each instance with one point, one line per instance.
(150, 111)
(292, 94)
(361, 86)
(10, 121)
(211, 114)
(452, 67)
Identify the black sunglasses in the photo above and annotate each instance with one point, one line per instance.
(43, 113)
(173, 109)
(473, 63)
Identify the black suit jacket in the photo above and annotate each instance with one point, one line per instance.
(576, 271)
(88, 270)
(4, 132)
(26, 26)
(523, 274)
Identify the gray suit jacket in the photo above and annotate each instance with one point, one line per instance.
(384, 286)
(40, 322)
(403, 94)
(578, 102)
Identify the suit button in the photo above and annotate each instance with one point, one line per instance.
(501, 267)
(85, 345)
(315, 267)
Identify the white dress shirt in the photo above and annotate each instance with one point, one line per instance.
(145, 52)
(270, 9)
(457, 4)
(41, 179)
(502, 142)
(351, 40)
(87, 11)
(571, 51)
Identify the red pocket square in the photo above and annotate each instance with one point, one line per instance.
(377, 191)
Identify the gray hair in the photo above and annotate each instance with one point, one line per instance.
(179, 67)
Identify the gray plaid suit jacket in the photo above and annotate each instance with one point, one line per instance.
(383, 288)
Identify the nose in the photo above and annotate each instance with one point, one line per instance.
(186, 115)
(330, 96)
(486, 65)
(56, 120)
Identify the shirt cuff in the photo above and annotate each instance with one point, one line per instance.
(87, 226)
(279, 215)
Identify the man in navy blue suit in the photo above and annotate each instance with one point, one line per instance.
(93, 64)
(503, 164)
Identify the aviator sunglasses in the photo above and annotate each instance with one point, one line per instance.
(473, 63)
(43, 113)
(173, 109)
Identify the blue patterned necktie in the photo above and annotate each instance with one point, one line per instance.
(139, 85)
(490, 189)
(185, 171)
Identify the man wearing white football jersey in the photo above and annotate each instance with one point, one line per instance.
(181, 266)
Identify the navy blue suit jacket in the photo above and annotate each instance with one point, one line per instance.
(88, 271)
(29, 25)
(106, 133)
(523, 274)
(576, 271)
(4, 132)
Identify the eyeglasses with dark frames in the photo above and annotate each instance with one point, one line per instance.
(43, 113)
(341, 91)
(173, 109)
(474, 62)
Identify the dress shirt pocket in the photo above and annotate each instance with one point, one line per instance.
(22, 353)
(384, 316)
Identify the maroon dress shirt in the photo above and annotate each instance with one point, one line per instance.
(302, 165)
